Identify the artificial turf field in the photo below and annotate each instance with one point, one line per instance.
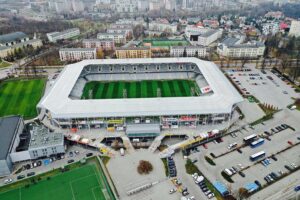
(84, 183)
(140, 89)
(20, 97)
(167, 43)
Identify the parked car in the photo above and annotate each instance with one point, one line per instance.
(297, 188)
(70, 161)
(20, 177)
(242, 174)
(274, 158)
(30, 174)
(239, 150)
(172, 191)
(89, 154)
(257, 183)
(7, 181)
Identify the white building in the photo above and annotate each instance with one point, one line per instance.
(143, 5)
(67, 34)
(120, 30)
(295, 29)
(77, 54)
(206, 38)
(233, 48)
(126, 6)
(99, 44)
(118, 38)
(191, 51)
(194, 29)
(162, 26)
(270, 28)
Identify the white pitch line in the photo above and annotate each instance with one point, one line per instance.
(72, 191)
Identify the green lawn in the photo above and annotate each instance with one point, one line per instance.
(4, 64)
(21, 97)
(84, 183)
(140, 89)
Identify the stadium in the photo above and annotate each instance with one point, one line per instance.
(160, 93)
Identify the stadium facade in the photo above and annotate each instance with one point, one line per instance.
(214, 104)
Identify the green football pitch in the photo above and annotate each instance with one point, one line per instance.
(84, 183)
(161, 43)
(20, 97)
(140, 89)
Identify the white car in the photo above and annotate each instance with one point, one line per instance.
(172, 191)
(195, 176)
(191, 198)
(8, 180)
(211, 195)
(294, 165)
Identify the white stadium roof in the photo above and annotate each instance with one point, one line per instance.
(59, 104)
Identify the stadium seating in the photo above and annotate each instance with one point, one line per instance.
(136, 72)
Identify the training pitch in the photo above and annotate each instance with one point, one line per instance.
(84, 183)
(140, 89)
(20, 97)
(167, 43)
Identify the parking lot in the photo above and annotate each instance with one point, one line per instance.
(267, 87)
(278, 142)
(31, 168)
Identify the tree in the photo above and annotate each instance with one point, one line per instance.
(284, 63)
(184, 52)
(100, 54)
(242, 193)
(144, 167)
(244, 61)
(138, 31)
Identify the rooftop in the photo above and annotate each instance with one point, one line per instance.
(77, 49)
(57, 100)
(12, 37)
(133, 48)
(41, 137)
(8, 127)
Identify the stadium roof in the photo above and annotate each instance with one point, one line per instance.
(59, 104)
(8, 126)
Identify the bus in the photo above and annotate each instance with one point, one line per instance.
(257, 156)
(250, 138)
(257, 143)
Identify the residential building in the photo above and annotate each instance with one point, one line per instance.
(126, 30)
(67, 34)
(77, 54)
(126, 6)
(295, 29)
(191, 51)
(234, 48)
(118, 38)
(270, 28)
(133, 52)
(194, 29)
(108, 44)
(207, 38)
(163, 25)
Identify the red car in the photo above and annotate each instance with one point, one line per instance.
(205, 146)
(290, 142)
